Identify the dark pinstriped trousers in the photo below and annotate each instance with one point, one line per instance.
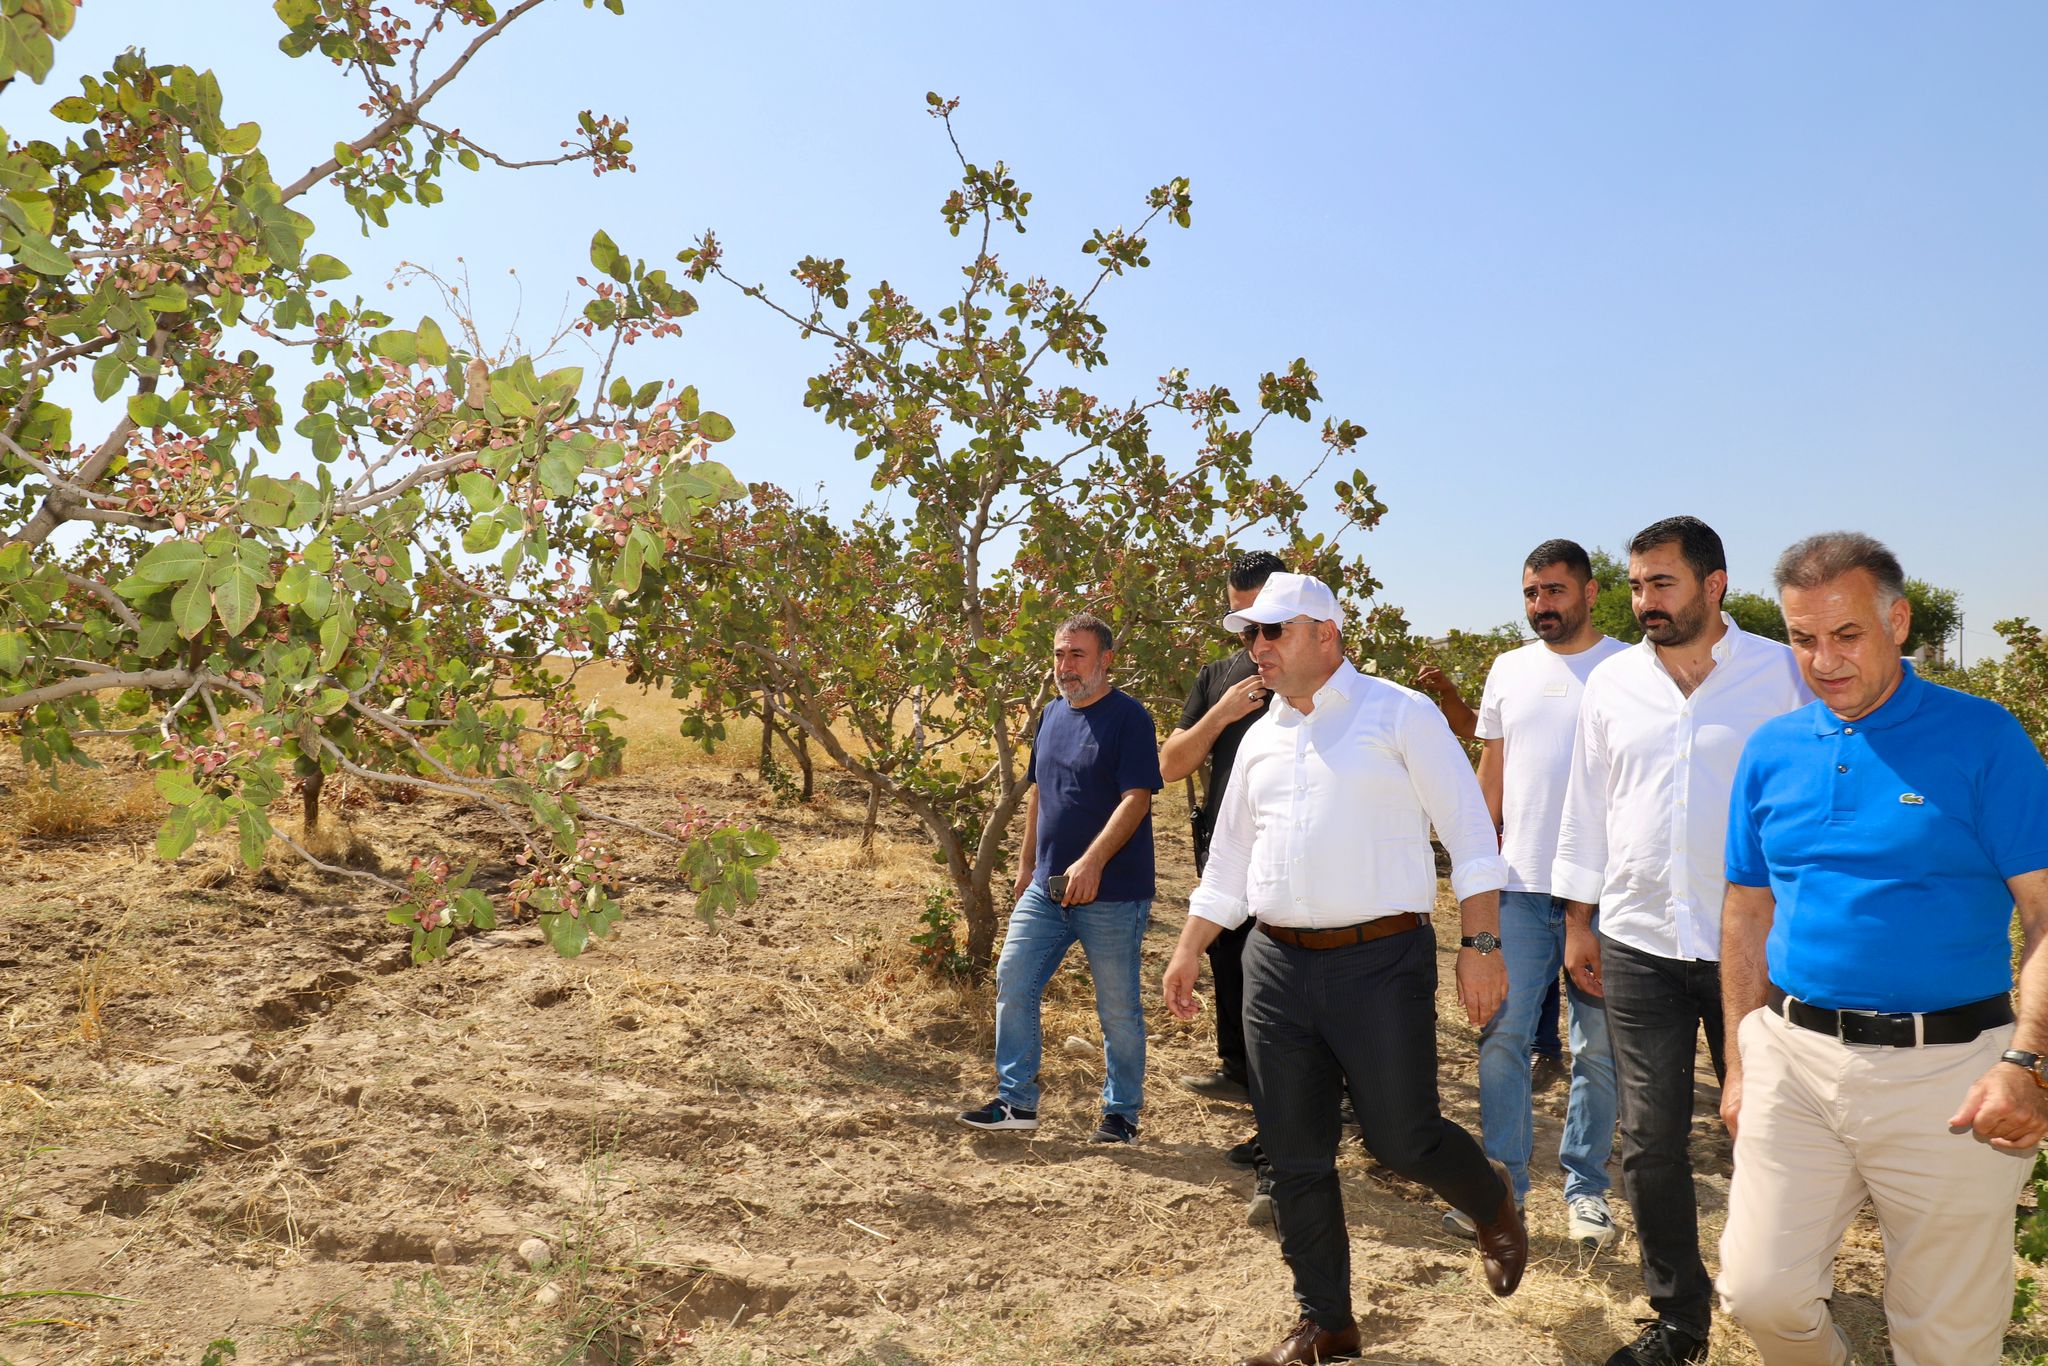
(1362, 1017)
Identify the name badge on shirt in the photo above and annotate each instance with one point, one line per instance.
(1557, 690)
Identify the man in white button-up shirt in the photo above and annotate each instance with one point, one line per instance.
(1324, 836)
(1645, 816)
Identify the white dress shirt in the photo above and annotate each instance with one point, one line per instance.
(1646, 807)
(1326, 821)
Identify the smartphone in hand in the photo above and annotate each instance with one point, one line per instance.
(1056, 886)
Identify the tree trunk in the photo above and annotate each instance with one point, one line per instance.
(310, 801)
(803, 761)
(793, 739)
(980, 906)
(867, 829)
(799, 747)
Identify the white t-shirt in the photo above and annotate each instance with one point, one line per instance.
(1531, 705)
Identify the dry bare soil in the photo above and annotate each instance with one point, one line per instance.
(230, 1111)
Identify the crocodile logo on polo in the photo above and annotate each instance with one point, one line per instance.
(1911, 799)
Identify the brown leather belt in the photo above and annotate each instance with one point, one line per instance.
(1957, 1024)
(1346, 935)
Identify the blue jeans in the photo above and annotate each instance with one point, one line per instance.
(1532, 943)
(1040, 933)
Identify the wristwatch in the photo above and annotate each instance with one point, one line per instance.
(1486, 942)
(2019, 1057)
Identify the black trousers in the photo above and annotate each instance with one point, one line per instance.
(1656, 1008)
(1226, 970)
(1362, 1018)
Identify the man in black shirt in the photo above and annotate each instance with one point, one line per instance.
(1226, 699)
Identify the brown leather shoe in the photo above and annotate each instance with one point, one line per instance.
(1307, 1343)
(1504, 1240)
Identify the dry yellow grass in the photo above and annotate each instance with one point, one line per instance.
(76, 803)
(93, 982)
(650, 719)
(889, 864)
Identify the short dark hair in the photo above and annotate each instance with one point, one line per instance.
(1557, 550)
(1698, 543)
(1249, 569)
(1088, 621)
(1817, 559)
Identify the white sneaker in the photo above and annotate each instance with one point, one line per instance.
(1590, 1223)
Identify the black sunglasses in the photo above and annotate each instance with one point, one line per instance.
(1271, 630)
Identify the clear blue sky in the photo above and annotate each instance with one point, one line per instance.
(1574, 267)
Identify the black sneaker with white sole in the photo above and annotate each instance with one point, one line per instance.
(1661, 1344)
(998, 1114)
(1114, 1129)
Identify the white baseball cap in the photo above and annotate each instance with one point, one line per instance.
(1285, 597)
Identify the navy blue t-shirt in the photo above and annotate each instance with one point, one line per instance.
(1084, 760)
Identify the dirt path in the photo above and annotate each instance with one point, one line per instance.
(227, 1101)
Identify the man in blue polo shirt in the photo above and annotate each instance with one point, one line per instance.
(1878, 842)
(1085, 874)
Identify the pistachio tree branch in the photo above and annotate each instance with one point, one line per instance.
(72, 352)
(407, 113)
(58, 506)
(455, 136)
(99, 682)
(107, 596)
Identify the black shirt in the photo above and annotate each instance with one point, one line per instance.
(1210, 684)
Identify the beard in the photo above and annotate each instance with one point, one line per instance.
(1555, 626)
(1074, 686)
(1675, 628)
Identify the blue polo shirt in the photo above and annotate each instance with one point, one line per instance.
(1084, 759)
(1887, 842)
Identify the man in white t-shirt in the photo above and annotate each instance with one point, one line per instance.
(1527, 718)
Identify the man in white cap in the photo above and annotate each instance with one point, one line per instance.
(1324, 837)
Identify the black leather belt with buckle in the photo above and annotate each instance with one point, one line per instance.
(1957, 1024)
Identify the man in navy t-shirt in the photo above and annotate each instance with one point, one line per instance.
(1085, 875)
(1878, 842)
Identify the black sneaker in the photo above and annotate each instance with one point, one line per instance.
(1219, 1085)
(1113, 1129)
(999, 1114)
(1245, 1154)
(1259, 1212)
(1660, 1344)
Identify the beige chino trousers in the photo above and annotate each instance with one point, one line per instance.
(1826, 1124)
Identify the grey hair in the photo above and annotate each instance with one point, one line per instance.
(1816, 560)
(1088, 621)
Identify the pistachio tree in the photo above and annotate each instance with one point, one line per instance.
(911, 640)
(2016, 680)
(392, 572)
